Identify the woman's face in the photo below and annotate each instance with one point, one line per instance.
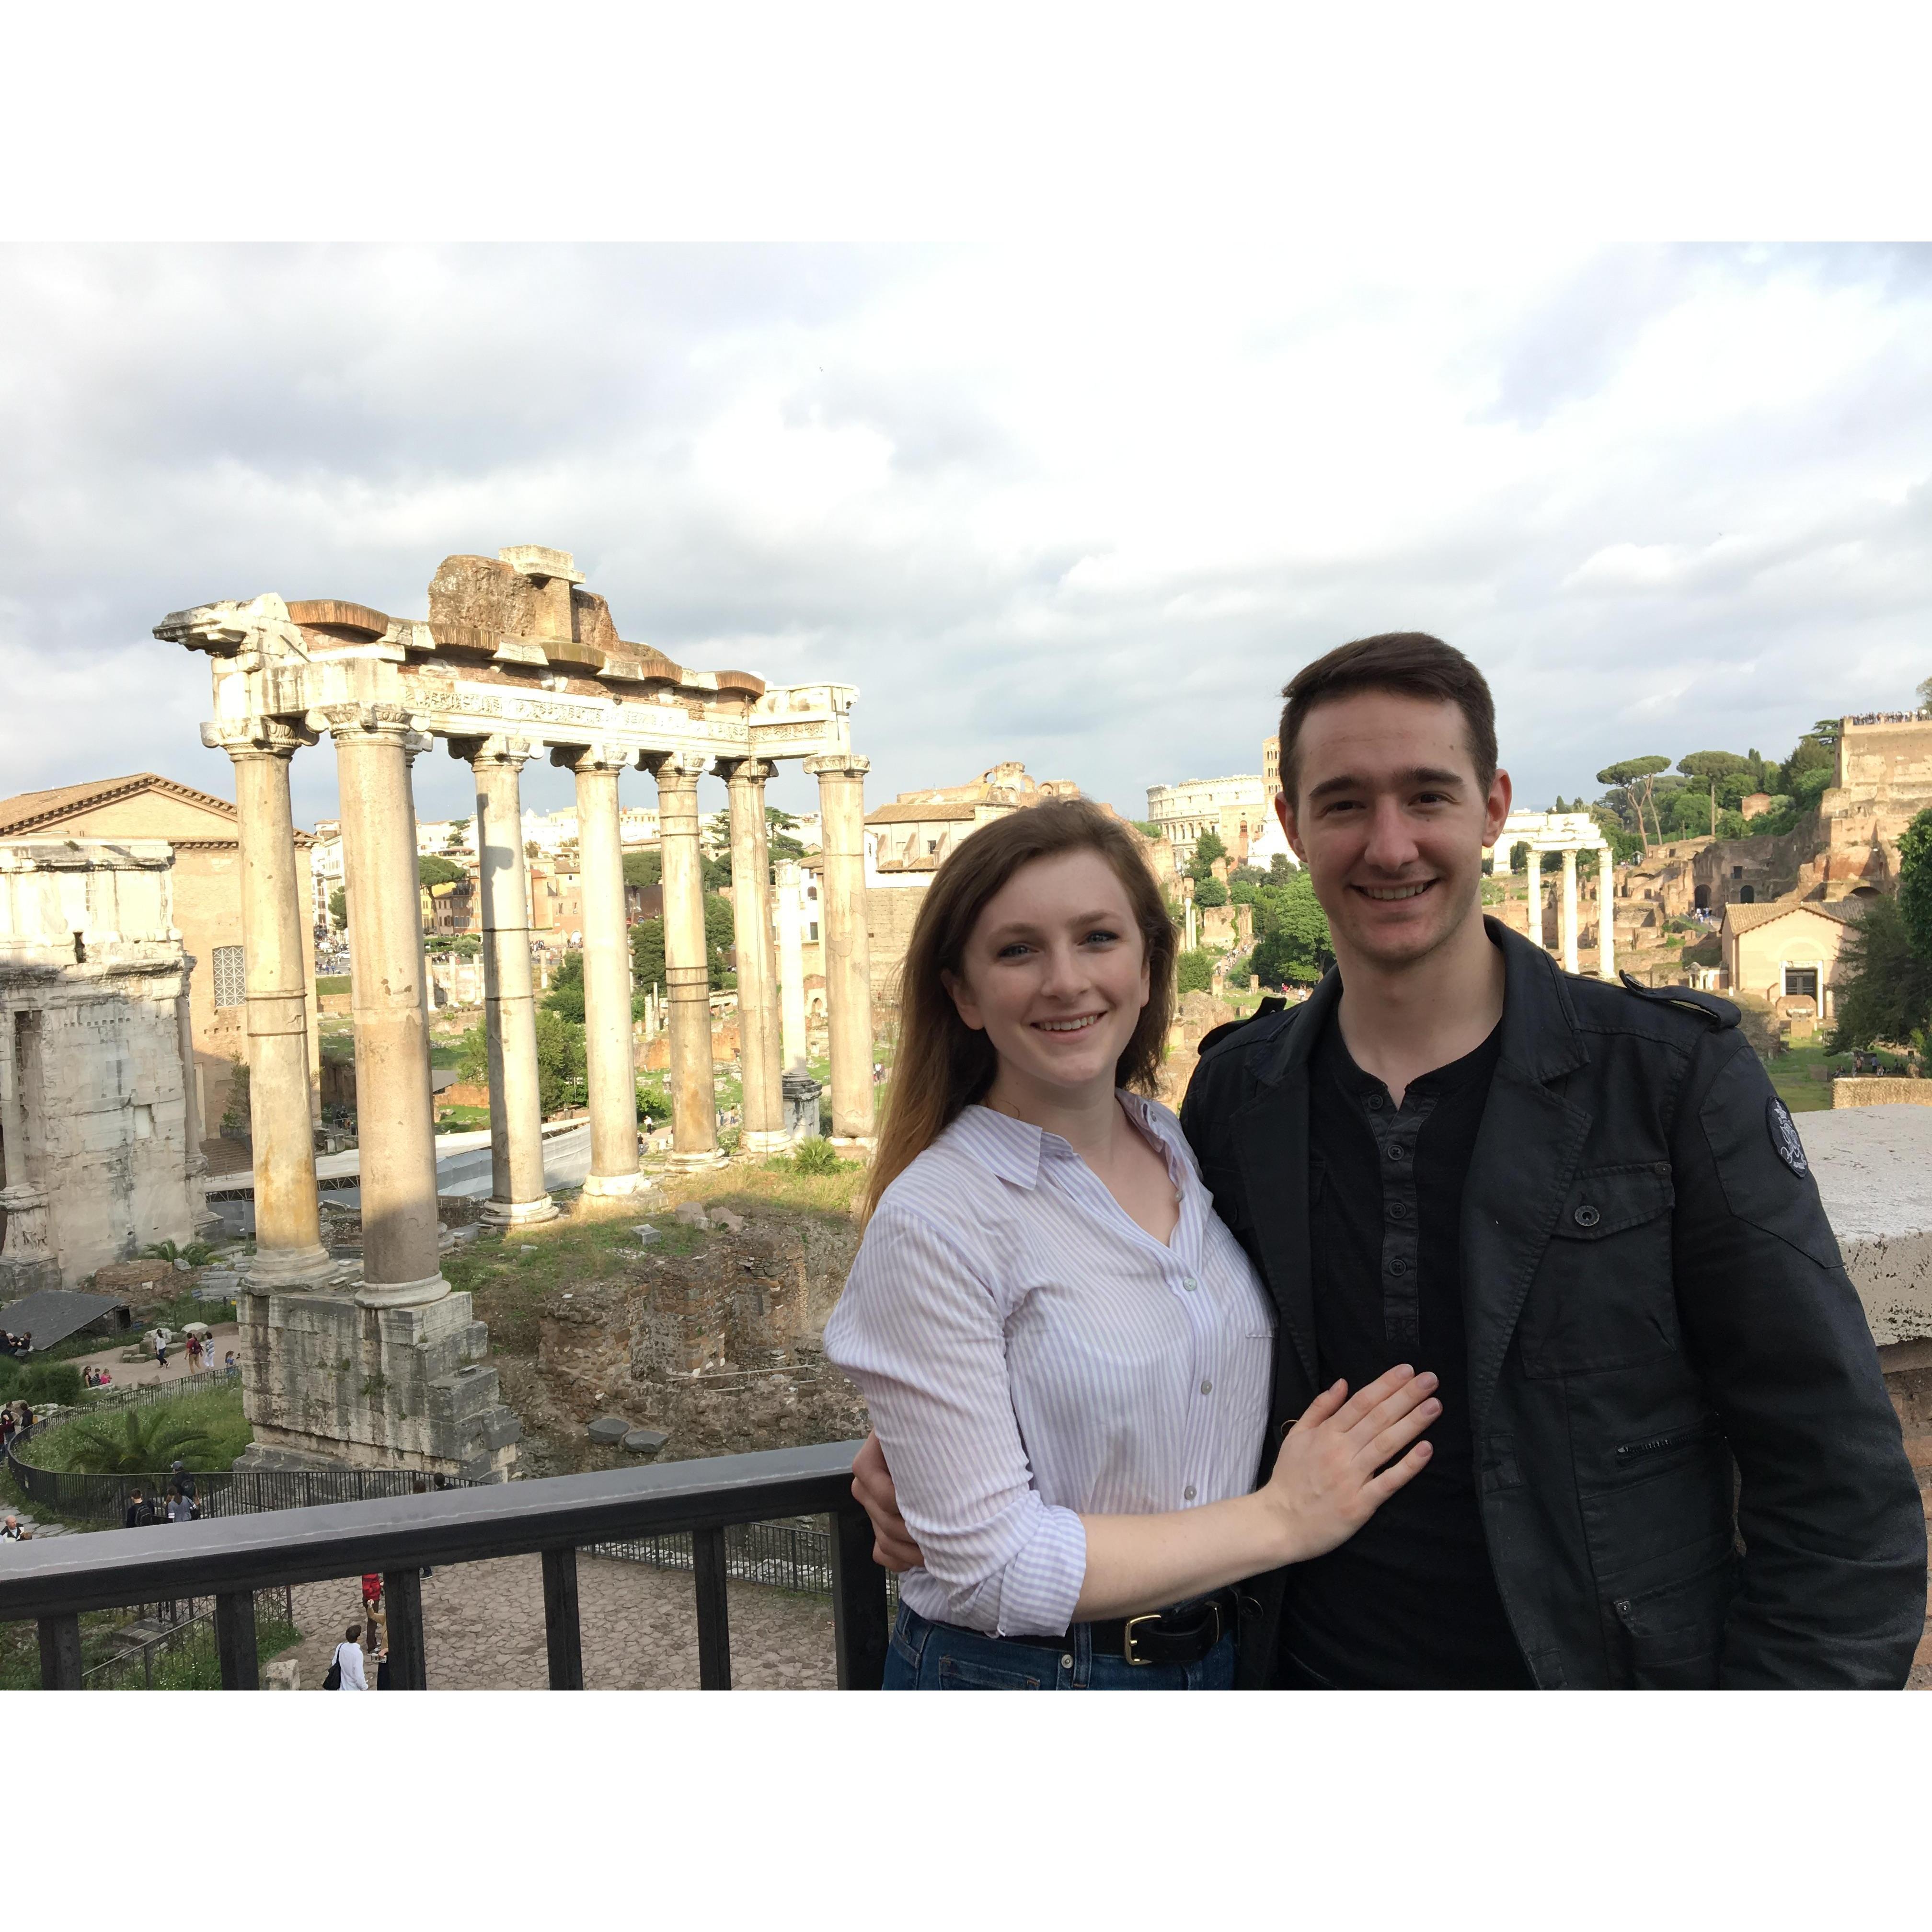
(1055, 973)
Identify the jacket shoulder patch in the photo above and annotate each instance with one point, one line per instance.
(1715, 1012)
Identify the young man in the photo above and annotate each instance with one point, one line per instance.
(1586, 1210)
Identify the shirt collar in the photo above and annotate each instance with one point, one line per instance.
(1015, 1150)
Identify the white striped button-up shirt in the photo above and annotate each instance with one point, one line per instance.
(1030, 1354)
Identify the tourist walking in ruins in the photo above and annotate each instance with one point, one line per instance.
(1666, 1457)
(346, 1666)
(1065, 1353)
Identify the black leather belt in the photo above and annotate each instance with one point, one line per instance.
(1183, 1635)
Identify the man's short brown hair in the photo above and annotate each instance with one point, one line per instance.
(1410, 662)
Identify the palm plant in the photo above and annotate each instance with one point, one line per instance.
(137, 1442)
(196, 1254)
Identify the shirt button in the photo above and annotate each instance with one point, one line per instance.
(1189, 1283)
(1374, 1103)
(1207, 1388)
(1188, 1493)
(1397, 1153)
(1398, 1210)
(1398, 1266)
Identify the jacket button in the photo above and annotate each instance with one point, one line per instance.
(1622, 1607)
(1586, 1216)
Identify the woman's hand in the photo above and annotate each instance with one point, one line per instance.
(1325, 1484)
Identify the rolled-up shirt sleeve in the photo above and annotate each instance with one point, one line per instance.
(921, 1332)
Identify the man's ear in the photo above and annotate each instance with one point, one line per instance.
(1496, 807)
(1285, 812)
(964, 1003)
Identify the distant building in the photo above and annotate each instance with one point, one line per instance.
(1239, 809)
(907, 841)
(1271, 765)
(206, 894)
(1787, 952)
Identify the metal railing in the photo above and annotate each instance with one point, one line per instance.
(188, 1629)
(232, 1557)
(221, 1492)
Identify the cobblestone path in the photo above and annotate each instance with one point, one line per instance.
(484, 1629)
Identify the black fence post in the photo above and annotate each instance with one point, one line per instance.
(858, 1604)
(402, 1592)
(714, 1624)
(235, 1640)
(563, 1633)
(60, 1652)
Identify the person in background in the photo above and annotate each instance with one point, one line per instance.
(348, 1660)
(161, 1349)
(140, 1512)
(10, 1531)
(180, 1508)
(229, 1365)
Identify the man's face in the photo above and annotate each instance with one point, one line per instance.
(1390, 821)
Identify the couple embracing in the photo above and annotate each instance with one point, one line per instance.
(1475, 1326)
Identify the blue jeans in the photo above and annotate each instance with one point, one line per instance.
(925, 1656)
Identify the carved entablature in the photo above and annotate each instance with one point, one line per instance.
(561, 678)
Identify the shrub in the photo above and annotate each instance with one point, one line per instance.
(39, 1382)
(1195, 972)
(196, 1254)
(817, 1156)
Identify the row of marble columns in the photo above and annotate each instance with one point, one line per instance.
(375, 749)
(1568, 916)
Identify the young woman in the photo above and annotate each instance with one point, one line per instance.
(1066, 1355)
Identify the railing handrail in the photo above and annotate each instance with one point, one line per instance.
(229, 1554)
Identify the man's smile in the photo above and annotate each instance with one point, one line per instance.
(1385, 893)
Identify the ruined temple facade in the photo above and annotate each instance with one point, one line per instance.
(1883, 782)
(515, 661)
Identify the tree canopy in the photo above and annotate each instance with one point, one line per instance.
(434, 870)
(1292, 945)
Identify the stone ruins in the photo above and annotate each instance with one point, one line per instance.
(1568, 832)
(514, 661)
(99, 1143)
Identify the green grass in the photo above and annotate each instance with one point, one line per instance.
(332, 982)
(509, 1285)
(216, 1417)
(1802, 1075)
(190, 1665)
(462, 1120)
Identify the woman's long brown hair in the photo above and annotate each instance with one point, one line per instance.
(944, 1066)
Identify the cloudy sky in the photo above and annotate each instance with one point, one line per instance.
(1087, 509)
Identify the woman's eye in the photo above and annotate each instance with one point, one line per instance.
(1011, 952)
(1102, 936)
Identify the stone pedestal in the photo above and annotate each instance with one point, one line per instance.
(327, 1383)
(802, 1095)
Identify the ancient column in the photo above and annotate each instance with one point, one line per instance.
(289, 1253)
(1569, 920)
(848, 967)
(687, 972)
(394, 1130)
(1607, 915)
(791, 964)
(517, 1196)
(763, 1129)
(1535, 870)
(609, 1060)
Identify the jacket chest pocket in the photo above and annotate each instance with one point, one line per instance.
(1603, 1297)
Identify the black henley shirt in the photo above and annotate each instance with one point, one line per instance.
(1410, 1601)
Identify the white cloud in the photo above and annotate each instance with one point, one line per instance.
(1088, 507)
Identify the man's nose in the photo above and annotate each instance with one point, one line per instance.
(1391, 844)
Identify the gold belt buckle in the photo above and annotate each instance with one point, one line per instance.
(1127, 1635)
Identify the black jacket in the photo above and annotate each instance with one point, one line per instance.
(1652, 1293)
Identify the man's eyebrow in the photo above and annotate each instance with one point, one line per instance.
(1416, 775)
